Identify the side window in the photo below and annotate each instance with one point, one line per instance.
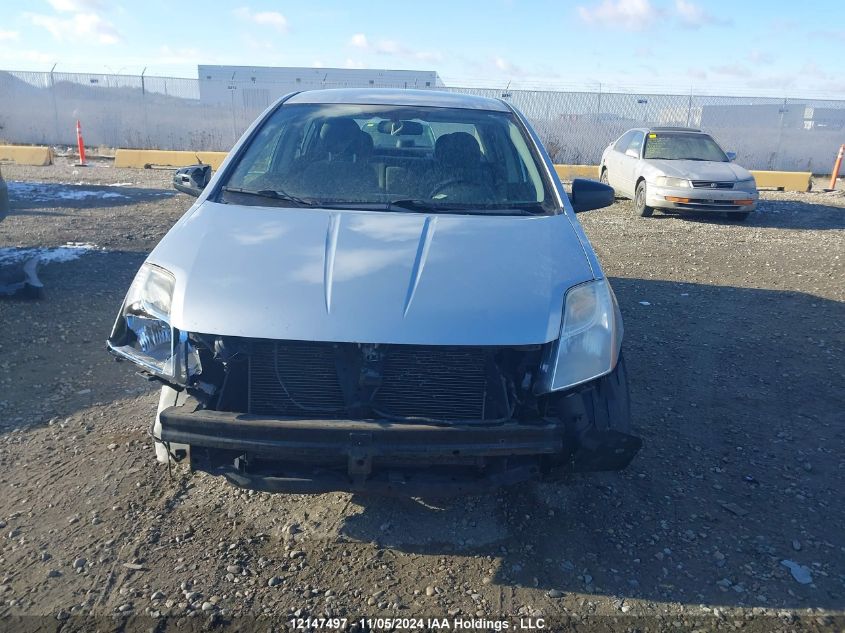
(636, 143)
(258, 159)
(622, 144)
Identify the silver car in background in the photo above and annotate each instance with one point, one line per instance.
(677, 169)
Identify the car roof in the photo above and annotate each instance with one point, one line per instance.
(690, 130)
(675, 129)
(399, 96)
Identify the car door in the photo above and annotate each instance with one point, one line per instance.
(613, 159)
(628, 160)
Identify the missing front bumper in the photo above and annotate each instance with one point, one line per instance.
(314, 456)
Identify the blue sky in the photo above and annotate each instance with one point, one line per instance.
(716, 46)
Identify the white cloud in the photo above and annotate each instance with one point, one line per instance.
(273, 19)
(354, 63)
(359, 40)
(759, 57)
(75, 6)
(506, 66)
(627, 14)
(429, 56)
(80, 27)
(30, 56)
(392, 48)
(693, 16)
(7, 36)
(732, 70)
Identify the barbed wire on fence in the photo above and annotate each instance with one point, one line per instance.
(210, 114)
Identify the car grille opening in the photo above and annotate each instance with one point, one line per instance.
(400, 382)
(712, 184)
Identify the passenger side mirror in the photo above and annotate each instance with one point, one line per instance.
(731, 156)
(192, 180)
(590, 194)
(632, 153)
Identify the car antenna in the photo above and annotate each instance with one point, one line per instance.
(199, 160)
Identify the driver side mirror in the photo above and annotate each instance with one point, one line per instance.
(590, 194)
(192, 180)
(731, 156)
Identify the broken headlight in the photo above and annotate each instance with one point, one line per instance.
(590, 337)
(143, 332)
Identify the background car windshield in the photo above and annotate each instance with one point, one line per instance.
(475, 160)
(683, 147)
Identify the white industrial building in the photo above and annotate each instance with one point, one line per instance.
(256, 87)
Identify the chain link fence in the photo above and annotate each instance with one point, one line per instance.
(191, 114)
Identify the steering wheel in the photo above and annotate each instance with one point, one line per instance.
(439, 187)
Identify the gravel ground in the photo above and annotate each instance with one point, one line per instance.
(731, 516)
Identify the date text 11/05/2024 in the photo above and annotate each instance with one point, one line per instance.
(393, 624)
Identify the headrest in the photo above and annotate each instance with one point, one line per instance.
(339, 134)
(458, 149)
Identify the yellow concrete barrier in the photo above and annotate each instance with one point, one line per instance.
(786, 180)
(142, 158)
(568, 172)
(27, 155)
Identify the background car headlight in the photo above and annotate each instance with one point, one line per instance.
(667, 181)
(749, 184)
(590, 337)
(142, 332)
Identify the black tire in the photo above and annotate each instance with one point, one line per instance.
(639, 201)
(741, 216)
(603, 177)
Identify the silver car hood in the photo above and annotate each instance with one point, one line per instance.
(369, 276)
(700, 170)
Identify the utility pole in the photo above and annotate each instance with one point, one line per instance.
(55, 105)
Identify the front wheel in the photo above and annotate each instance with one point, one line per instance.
(639, 201)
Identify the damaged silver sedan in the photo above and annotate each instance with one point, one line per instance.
(344, 311)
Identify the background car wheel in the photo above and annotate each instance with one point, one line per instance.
(738, 217)
(603, 177)
(639, 201)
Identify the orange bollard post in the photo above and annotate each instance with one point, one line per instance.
(80, 143)
(835, 173)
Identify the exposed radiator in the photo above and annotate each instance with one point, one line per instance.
(308, 379)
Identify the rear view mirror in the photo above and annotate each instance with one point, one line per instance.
(405, 128)
(192, 180)
(590, 194)
(632, 153)
(731, 156)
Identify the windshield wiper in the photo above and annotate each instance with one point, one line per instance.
(273, 195)
(417, 204)
(427, 206)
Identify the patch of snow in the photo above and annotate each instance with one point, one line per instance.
(38, 192)
(47, 255)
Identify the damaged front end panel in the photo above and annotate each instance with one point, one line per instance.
(308, 417)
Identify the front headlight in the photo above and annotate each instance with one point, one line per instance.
(667, 181)
(590, 337)
(749, 184)
(142, 332)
